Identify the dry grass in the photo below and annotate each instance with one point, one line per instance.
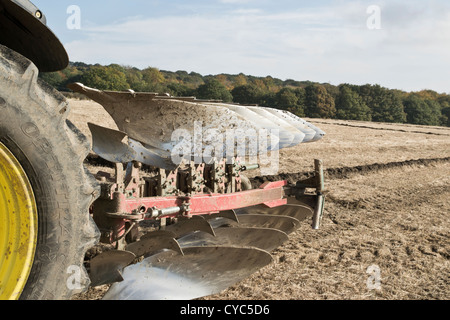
(386, 219)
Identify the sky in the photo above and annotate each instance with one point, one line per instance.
(398, 44)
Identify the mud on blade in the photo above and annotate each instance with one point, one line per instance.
(209, 129)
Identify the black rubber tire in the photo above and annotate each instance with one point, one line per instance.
(34, 127)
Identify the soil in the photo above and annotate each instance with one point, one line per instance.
(387, 209)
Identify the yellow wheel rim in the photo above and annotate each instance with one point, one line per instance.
(18, 226)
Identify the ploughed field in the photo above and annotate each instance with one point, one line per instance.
(386, 228)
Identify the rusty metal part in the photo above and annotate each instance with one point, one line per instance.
(193, 253)
(202, 271)
(219, 237)
(116, 204)
(318, 212)
(195, 178)
(124, 201)
(213, 203)
(317, 182)
(167, 182)
(217, 177)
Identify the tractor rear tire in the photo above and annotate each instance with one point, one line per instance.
(51, 151)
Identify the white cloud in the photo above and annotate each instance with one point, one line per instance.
(247, 11)
(236, 1)
(332, 43)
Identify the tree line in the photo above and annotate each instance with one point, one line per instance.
(303, 98)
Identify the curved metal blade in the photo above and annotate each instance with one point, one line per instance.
(287, 135)
(223, 222)
(153, 120)
(229, 214)
(144, 247)
(282, 223)
(107, 267)
(264, 239)
(312, 132)
(159, 234)
(172, 124)
(281, 123)
(299, 212)
(117, 147)
(202, 271)
(182, 228)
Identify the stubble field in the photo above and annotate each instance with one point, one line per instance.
(387, 211)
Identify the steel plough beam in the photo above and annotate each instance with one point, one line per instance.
(270, 194)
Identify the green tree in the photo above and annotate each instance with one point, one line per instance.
(422, 111)
(135, 79)
(214, 90)
(153, 80)
(271, 84)
(291, 100)
(386, 105)
(105, 78)
(436, 112)
(444, 101)
(318, 102)
(240, 80)
(268, 99)
(350, 106)
(446, 117)
(286, 99)
(55, 79)
(179, 90)
(246, 94)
